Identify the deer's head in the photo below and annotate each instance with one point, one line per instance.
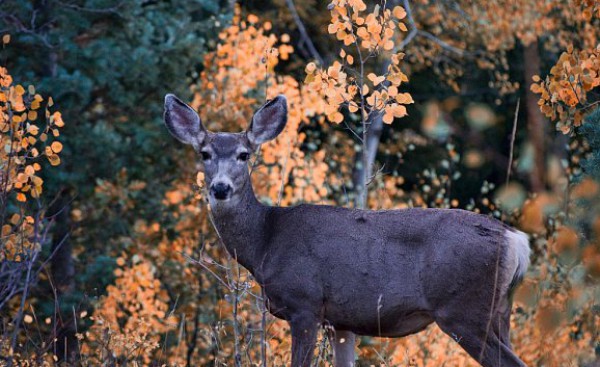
(225, 155)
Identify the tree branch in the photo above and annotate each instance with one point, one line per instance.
(303, 33)
(414, 31)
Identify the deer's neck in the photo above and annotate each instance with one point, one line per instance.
(241, 227)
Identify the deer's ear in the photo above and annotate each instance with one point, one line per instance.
(183, 122)
(268, 121)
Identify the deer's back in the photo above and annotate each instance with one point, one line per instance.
(363, 267)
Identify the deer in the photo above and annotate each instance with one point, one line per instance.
(380, 273)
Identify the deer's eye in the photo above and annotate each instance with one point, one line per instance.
(205, 156)
(244, 156)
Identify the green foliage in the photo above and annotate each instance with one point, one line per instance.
(591, 131)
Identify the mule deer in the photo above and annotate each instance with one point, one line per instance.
(387, 273)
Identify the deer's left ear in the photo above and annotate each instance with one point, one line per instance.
(268, 121)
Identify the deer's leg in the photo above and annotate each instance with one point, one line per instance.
(502, 326)
(488, 350)
(304, 336)
(343, 347)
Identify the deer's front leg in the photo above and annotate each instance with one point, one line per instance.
(304, 336)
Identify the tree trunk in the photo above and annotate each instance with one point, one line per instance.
(536, 124)
(365, 163)
(63, 277)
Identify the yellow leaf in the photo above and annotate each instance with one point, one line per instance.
(6, 39)
(350, 59)
(54, 160)
(388, 45)
(37, 181)
(19, 89)
(200, 179)
(402, 27)
(28, 319)
(21, 197)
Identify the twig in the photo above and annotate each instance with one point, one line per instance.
(430, 36)
(303, 33)
(200, 262)
(492, 306)
(512, 141)
(411, 21)
(236, 330)
(263, 323)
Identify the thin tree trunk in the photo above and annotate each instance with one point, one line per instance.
(536, 123)
(363, 171)
(63, 276)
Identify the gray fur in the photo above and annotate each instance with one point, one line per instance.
(384, 273)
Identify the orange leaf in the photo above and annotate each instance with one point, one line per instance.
(21, 197)
(399, 12)
(375, 79)
(56, 147)
(388, 118)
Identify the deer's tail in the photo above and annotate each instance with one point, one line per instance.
(518, 252)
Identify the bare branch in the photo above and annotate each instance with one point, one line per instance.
(512, 141)
(411, 22)
(303, 33)
(414, 31)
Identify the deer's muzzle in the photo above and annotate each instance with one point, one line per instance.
(221, 191)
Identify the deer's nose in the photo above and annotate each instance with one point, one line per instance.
(220, 190)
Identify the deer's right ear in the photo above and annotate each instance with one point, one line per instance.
(183, 122)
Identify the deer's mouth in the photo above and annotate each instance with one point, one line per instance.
(221, 191)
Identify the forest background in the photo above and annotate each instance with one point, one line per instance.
(107, 252)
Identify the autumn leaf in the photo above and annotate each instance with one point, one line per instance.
(375, 79)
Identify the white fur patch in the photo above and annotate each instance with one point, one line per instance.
(517, 255)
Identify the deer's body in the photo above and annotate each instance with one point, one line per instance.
(380, 273)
